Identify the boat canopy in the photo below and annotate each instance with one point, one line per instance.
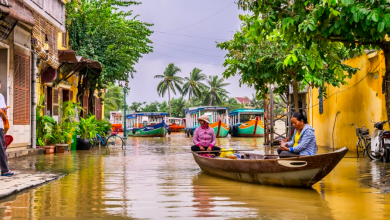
(193, 110)
(246, 111)
(130, 116)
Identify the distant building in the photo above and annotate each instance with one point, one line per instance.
(244, 101)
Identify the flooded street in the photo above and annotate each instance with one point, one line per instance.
(157, 178)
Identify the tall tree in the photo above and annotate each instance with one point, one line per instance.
(169, 82)
(194, 85)
(100, 30)
(277, 61)
(216, 92)
(355, 23)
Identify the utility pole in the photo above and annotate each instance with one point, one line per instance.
(124, 112)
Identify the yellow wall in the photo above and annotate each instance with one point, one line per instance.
(360, 101)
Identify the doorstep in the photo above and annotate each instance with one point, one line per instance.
(21, 152)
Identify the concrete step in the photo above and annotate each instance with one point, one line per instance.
(21, 152)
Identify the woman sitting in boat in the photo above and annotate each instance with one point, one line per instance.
(303, 141)
(204, 136)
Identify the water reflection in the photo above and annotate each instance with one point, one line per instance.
(157, 178)
(245, 200)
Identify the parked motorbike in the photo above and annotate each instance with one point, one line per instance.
(379, 149)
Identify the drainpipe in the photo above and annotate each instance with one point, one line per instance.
(33, 102)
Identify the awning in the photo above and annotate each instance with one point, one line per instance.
(69, 58)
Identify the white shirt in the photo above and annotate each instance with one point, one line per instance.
(3, 106)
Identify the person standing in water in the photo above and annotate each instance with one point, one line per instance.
(303, 141)
(5, 171)
(204, 136)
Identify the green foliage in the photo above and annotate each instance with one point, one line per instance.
(45, 130)
(100, 30)
(86, 128)
(63, 130)
(215, 93)
(45, 124)
(169, 82)
(60, 134)
(152, 107)
(194, 85)
(257, 103)
(233, 104)
(103, 127)
(273, 60)
(355, 23)
(136, 106)
(113, 99)
(178, 106)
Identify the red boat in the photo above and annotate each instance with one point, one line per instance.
(176, 124)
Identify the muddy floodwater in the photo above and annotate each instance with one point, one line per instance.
(157, 178)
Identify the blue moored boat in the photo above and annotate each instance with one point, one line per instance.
(147, 124)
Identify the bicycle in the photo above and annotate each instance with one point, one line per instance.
(364, 140)
(113, 139)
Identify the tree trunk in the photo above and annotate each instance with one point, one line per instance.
(295, 95)
(192, 95)
(211, 100)
(169, 101)
(386, 52)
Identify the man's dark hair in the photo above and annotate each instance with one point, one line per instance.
(299, 116)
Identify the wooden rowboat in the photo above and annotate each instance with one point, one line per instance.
(302, 171)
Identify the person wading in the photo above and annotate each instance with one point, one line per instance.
(5, 171)
(204, 136)
(303, 141)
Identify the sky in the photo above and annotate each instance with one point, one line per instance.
(185, 32)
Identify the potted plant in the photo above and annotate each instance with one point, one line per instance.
(44, 127)
(86, 128)
(61, 137)
(62, 131)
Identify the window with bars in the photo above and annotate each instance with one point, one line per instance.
(21, 89)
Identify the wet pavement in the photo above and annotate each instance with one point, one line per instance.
(157, 178)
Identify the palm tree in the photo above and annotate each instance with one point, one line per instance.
(216, 91)
(113, 100)
(193, 86)
(256, 103)
(169, 82)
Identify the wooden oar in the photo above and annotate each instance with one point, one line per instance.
(266, 155)
(218, 151)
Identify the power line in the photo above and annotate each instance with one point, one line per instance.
(201, 20)
(188, 60)
(189, 46)
(188, 51)
(184, 35)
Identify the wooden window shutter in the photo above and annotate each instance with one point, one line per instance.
(21, 89)
(85, 106)
(64, 39)
(55, 102)
(71, 95)
(45, 100)
(98, 108)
